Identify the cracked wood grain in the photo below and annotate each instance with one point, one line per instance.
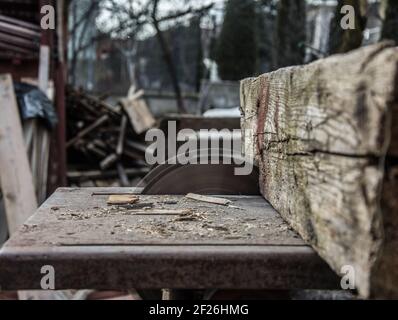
(324, 138)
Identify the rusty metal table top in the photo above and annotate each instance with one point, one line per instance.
(96, 246)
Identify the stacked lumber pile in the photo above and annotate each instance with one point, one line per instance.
(325, 138)
(106, 143)
(18, 38)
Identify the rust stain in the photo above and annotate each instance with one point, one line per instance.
(262, 110)
(276, 118)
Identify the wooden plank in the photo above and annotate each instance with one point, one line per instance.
(109, 161)
(219, 201)
(334, 105)
(18, 31)
(21, 51)
(37, 141)
(122, 135)
(3, 223)
(140, 117)
(24, 43)
(88, 130)
(20, 23)
(321, 134)
(124, 180)
(44, 68)
(122, 200)
(44, 155)
(15, 176)
(137, 95)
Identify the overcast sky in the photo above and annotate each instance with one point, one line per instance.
(107, 21)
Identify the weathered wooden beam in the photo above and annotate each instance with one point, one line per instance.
(322, 135)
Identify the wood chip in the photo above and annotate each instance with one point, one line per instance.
(159, 212)
(213, 200)
(122, 199)
(139, 114)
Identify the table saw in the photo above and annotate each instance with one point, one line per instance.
(160, 242)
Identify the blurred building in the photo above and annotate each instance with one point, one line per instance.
(319, 16)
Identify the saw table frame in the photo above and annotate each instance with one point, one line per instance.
(278, 262)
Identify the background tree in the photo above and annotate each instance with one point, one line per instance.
(133, 20)
(267, 12)
(80, 26)
(236, 53)
(290, 33)
(341, 40)
(390, 26)
(200, 66)
(156, 21)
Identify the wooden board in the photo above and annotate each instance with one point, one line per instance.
(92, 245)
(322, 136)
(140, 117)
(15, 175)
(213, 200)
(44, 68)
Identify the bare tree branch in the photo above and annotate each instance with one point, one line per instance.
(132, 17)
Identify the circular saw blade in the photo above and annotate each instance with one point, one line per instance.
(210, 179)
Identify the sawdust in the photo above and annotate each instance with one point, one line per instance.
(199, 221)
